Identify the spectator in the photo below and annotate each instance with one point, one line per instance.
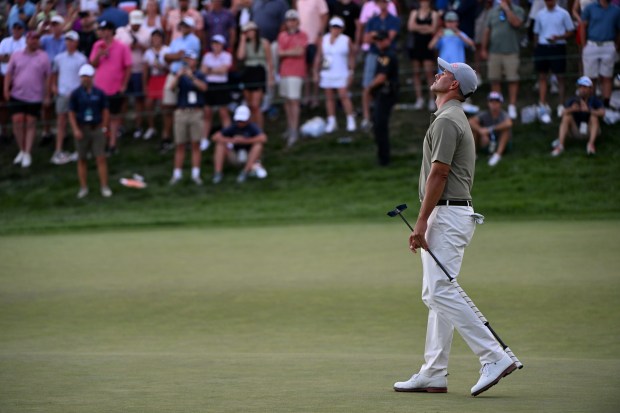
(65, 79)
(218, 20)
(601, 22)
(112, 14)
(152, 20)
(188, 117)
(112, 59)
(580, 118)
(44, 13)
(480, 29)
(492, 128)
(88, 115)
(242, 135)
(384, 20)
(313, 16)
(87, 33)
(466, 10)
(578, 7)
(243, 13)
(22, 10)
(138, 39)
(25, 88)
(292, 44)
(349, 11)
(188, 42)
(177, 15)
(215, 65)
(450, 41)
(500, 45)
(155, 73)
(255, 53)
(8, 46)
(422, 25)
(334, 63)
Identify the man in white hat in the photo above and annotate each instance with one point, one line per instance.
(88, 114)
(177, 15)
(65, 79)
(445, 225)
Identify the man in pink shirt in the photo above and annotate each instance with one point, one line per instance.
(25, 88)
(112, 59)
(292, 44)
(174, 17)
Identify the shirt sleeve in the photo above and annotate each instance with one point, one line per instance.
(127, 59)
(94, 51)
(323, 9)
(445, 136)
(229, 131)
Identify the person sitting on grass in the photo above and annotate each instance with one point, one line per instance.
(580, 118)
(241, 136)
(492, 128)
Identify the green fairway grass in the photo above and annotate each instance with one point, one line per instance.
(321, 318)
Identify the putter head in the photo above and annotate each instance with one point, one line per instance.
(397, 210)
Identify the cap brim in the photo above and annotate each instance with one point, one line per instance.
(443, 65)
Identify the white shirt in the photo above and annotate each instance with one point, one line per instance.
(212, 61)
(142, 36)
(67, 66)
(555, 22)
(9, 45)
(151, 56)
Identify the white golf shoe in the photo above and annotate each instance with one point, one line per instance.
(423, 384)
(491, 374)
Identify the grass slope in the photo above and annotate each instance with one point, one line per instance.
(320, 318)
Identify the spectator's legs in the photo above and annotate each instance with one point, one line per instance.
(82, 168)
(496, 86)
(330, 103)
(594, 127)
(606, 87)
(347, 105)
(19, 124)
(417, 81)
(208, 112)
(565, 126)
(561, 84)
(513, 90)
(366, 106)
(254, 156)
(61, 129)
(30, 133)
(138, 110)
(149, 106)
(47, 117)
(196, 155)
(219, 155)
(179, 156)
(542, 88)
(115, 125)
(503, 139)
(167, 110)
(102, 170)
(429, 71)
(224, 116)
(294, 113)
(254, 99)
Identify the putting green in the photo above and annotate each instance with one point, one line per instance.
(299, 319)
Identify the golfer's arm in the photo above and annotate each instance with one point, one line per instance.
(435, 184)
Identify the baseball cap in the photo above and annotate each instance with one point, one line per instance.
(249, 26)
(291, 14)
(19, 23)
(107, 24)
(451, 16)
(86, 70)
(336, 21)
(584, 81)
(188, 21)
(381, 35)
(496, 96)
(218, 38)
(72, 35)
(57, 19)
(136, 17)
(242, 113)
(190, 54)
(463, 73)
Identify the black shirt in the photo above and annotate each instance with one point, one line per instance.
(350, 13)
(88, 106)
(387, 64)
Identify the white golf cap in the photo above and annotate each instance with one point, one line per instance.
(242, 113)
(218, 38)
(136, 17)
(463, 73)
(584, 81)
(291, 14)
(58, 19)
(495, 96)
(72, 35)
(336, 21)
(87, 70)
(188, 21)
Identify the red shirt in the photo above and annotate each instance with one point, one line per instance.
(292, 66)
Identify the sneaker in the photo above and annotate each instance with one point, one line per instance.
(26, 160)
(243, 175)
(150, 132)
(419, 104)
(175, 180)
(544, 113)
(217, 178)
(432, 107)
(494, 160)
(560, 110)
(18, 158)
(82, 193)
(351, 126)
(491, 374)
(555, 143)
(366, 125)
(421, 383)
(197, 180)
(590, 149)
(137, 134)
(74, 157)
(106, 192)
(60, 158)
(331, 125)
(258, 171)
(512, 112)
(204, 144)
(557, 151)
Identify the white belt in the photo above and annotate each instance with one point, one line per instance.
(606, 43)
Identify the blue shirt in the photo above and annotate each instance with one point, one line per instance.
(451, 47)
(88, 107)
(556, 22)
(118, 17)
(52, 46)
(250, 130)
(376, 24)
(189, 95)
(269, 17)
(186, 44)
(29, 10)
(603, 24)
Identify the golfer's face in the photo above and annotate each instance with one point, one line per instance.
(443, 81)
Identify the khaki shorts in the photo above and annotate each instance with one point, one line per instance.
(599, 59)
(290, 87)
(62, 104)
(170, 97)
(93, 141)
(503, 64)
(188, 125)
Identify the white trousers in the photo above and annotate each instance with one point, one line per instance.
(450, 229)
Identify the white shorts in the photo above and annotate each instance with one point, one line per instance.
(170, 97)
(333, 82)
(290, 87)
(599, 59)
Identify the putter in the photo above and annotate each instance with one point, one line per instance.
(398, 211)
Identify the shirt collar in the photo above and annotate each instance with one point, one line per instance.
(445, 107)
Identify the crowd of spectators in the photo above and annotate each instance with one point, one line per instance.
(298, 52)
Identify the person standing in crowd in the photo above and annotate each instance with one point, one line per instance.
(450, 41)
(384, 91)
(445, 225)
(349, 11)
(88, 115)
(255, 54)
(292, 44)
(552, 27)
(22, 10)
(9, 45)
(87, 33)
(152, 18)
(215, 65)
(154, 77)
(422, 25)
(138, 39)
(44, 14)
(580, 118)
(242, 135)
(188, 42)
(335, 64)
(601, 21)
(26, 89)
(112, 59)
(188, 116)
(65, 79)
(177, 15)
(466, 10)
(500, 45)
(218, 20)
(108, 12)
(492, 128)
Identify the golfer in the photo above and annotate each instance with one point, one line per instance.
(445, 225)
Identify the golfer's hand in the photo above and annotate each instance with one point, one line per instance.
(417, 238)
